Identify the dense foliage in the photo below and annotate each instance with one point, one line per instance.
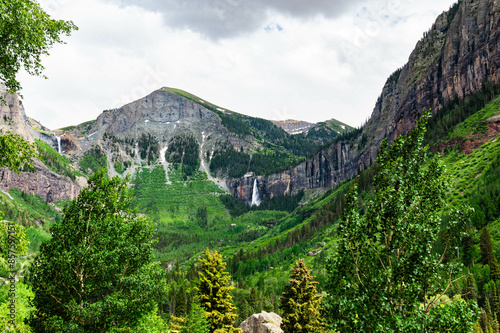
(456, 111)
(234, 164)
(184, 152)
(286, 203)
(96, 272)
(54, 161)
(149, 148)
(385, 277)
(93, 160)
(15, 152)
(26, 34)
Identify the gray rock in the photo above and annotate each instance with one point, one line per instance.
(264, 322)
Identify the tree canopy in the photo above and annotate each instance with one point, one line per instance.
(97, 270)
(386, 276)
(15, 152)
(26, 33)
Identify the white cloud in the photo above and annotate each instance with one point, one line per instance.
(316, 68)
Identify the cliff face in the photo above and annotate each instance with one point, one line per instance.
(47, 184)
(12, 116)
(163, 115)
(455, 57)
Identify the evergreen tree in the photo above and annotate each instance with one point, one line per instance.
(300, 302)
(96, 272)
(180, 303)
(495, 299)
(214, 291)
(244, 310)
(494, 269)
(487, 308)
(468, 257)
(470, 290)
(196, 321)
(255, 301)
(485, 323)
(477, 328)
(486, 247)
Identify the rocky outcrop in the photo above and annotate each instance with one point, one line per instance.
(293, 126)
(12, 116)
(263, 322)
(314, 173)
(47, 184)
(456, 56)
(473, 141)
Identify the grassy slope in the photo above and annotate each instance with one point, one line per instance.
(177, 210)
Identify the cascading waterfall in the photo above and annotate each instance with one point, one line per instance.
(255, 194)
(58, 144)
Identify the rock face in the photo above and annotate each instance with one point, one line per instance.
(263, 322)
(164, 115)
(314, 173)
(47, 184)
(293, 126)
(453, 59)
(12, 116)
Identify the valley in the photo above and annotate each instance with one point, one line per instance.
(265, 194)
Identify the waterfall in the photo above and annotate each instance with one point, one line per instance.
(255, 194)
(58, 144)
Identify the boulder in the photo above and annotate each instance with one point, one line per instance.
(264, 322)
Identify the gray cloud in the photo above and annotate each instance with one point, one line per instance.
(219, 19)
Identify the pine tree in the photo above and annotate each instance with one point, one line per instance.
(180, 303)
(494, 269)
(300, 302)
(486, 246)
(494, 324)
(196, 321)
(485, 323)
(244, 310)
(487, 308)
(214, 292)
(477, 328)
(254, 301)
(470, 290)
(495, 300)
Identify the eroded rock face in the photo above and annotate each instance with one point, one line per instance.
(12, 116)
(48, 185)
(458, 54)
(263, 322)
(314, 173)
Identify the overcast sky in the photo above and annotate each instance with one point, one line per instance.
(277, 59)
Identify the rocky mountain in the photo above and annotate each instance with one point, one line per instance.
(48, 184)
(293, 126)
(156, 130)
(226, 144)
(457, 57)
